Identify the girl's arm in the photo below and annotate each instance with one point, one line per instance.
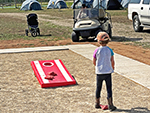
(112, 62)
(94, 57)
(94, 61)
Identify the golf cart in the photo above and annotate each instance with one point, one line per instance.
(90, 19)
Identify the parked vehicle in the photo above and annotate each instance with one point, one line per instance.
(139, 13)
(90, 20)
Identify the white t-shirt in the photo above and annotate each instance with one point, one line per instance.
(103, 60)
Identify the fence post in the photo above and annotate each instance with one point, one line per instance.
(59, 7)
(15, 3)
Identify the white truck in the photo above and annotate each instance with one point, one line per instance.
(139, 13)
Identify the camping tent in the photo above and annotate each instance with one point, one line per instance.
(112, 4)
(31, 5)
(107, 4)
(78, 3)
(55, 4)
(124, 3)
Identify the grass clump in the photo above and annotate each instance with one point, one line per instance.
(13, 27)
(145, 45)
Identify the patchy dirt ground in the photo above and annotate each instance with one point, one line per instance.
(122, 34)
(20, 91)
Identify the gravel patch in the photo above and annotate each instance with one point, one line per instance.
(21, 92)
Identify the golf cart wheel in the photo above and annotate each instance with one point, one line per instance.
(26, 32)
(136, 24)
(34, 34)
(38, 31)
(109, 31)
(75, 37)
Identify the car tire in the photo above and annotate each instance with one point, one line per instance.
(136, 24)
(75, 37)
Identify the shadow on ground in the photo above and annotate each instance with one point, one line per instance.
(114, 38)
(45, 35)
(146, 31)
(124, 39)
(134, 110)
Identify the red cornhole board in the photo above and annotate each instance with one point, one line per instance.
(42, 68)
(104, 107)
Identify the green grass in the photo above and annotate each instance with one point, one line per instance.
(14, 28)
(145, 45)
(69, 4)
(118, 12)
(10, 30)
(10, 10)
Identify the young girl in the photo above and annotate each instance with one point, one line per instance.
(103, 59)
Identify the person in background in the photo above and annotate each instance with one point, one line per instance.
(83, 13)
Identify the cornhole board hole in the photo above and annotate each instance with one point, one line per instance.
(43, 68)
